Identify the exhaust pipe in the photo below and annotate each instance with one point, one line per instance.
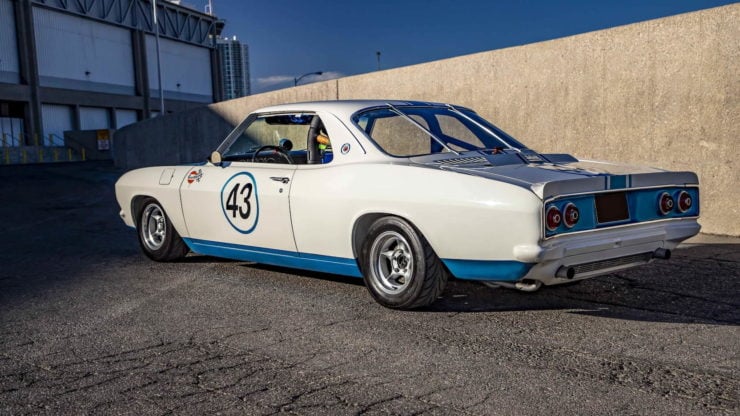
(526, 285)
(662, 253)
(565, 272)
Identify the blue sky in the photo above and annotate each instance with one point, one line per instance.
(288, 38)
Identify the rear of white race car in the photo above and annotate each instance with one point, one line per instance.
(631, 221)
(596, 218)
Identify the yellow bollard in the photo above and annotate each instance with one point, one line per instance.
(56, 155)
(69, 155)
(41, 156)
(83, 154)
(24, 156)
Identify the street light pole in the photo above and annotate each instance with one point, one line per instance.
(378, 55)
(159, 60)
(295, 80)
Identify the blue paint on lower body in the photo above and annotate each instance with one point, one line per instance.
(315, 262)
(499, 270)
(462, 269)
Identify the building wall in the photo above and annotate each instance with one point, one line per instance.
(90, 59)
(186, 70)
(57, 119)
(82, 54)
(94, 118)
(125, 118)
(11, 129)
(8, 44)
(663, 93)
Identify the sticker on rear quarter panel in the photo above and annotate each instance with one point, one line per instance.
(240, 203)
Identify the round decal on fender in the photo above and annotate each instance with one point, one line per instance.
(194, 176)
(240, 203)
(345, 148)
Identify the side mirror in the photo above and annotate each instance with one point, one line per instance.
(215, 158)
(285, 144)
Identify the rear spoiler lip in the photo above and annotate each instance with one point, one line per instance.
(613, 183)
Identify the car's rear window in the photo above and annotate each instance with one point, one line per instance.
(398, 136)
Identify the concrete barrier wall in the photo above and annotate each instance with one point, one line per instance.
(662, 93)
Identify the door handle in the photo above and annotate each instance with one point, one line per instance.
(280, 179)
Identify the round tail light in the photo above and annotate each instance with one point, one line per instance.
(571, 215)
(553, 217)
(665, 203)
(684, 201)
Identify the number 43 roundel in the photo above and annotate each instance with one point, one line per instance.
(239, 202)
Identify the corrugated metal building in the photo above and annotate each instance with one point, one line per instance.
(82, 65)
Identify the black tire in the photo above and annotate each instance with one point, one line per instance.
(401, 270)
(157, 237)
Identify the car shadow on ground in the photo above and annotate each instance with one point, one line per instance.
(698, 285)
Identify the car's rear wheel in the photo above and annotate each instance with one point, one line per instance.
(401, 269)
(158, 238)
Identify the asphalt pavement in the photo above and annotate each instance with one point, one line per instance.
(89, 325)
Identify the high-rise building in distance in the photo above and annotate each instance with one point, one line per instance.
(234, 67)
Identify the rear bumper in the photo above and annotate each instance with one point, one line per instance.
(603, 251)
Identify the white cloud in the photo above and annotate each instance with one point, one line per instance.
(272, 80)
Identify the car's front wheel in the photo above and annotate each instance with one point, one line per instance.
(401, 269)
(157, 236)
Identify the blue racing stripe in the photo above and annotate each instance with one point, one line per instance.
(617, 182)
(306, 261)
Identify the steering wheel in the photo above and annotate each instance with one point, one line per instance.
(278, 150)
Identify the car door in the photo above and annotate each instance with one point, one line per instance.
(239, 209)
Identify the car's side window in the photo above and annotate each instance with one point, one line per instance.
(262, 132)
(272, 130)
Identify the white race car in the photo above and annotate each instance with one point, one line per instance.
(405, 194)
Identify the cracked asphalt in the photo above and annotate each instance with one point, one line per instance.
(89, 325)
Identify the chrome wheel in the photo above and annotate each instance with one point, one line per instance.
(392, 262)
(153, 227)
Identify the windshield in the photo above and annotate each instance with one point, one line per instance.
(405, 131)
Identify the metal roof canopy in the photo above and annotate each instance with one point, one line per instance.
(174, 21)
